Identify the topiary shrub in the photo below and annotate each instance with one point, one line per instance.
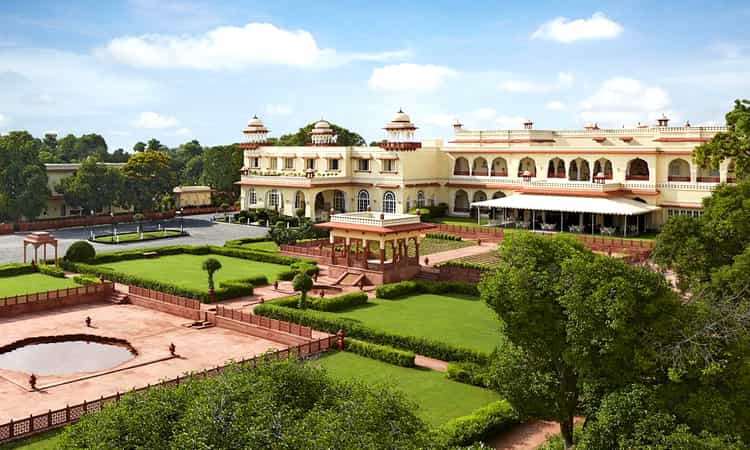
(302, 283)
(80, 251)
(481, 425)
(52, 271)
(86, 280)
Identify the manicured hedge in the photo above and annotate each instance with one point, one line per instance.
(467, 265)
(240, 242)
(53, 271)
(404, 288)
(469, 373)
(329, 304)
(86, 279)
(482, 425)
(443, 236)
(331, 324)
(380, 352)
(80, 251)
(11, 270)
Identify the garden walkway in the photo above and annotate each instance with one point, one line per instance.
(526, 436)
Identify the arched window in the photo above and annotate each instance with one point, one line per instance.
(730, 172)
(708, 174)
(499, 167)
(479, 167)
(363, 200)
(274, 199)
(299, 200)
(578, 170)
(389, 202)
(556, 168)
(498, 194)
(339, 201)
(527, 165)
(432, 200)
(461, 167)
(603, 166)
(252, 196)
(679, 170)
(461, 202)
(480, 196)
(637, 170)
(420, 199)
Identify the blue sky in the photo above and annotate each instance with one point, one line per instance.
(180, 70)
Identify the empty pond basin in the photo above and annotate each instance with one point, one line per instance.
(65, 357)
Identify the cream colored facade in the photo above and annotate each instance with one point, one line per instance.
(650, 163)
(192, 196)
(56, 206)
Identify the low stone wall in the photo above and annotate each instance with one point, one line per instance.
(454, 273)
(252, 330)
(167, 303)
(6, 228)
(45, 301)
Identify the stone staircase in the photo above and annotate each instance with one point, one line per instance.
(351, 279)
(117, 298)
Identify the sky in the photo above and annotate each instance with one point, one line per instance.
(180, 70)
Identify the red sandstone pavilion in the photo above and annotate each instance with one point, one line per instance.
(358, 244)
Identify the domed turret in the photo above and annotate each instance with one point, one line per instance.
(400, 133)
(255, 132)
(322, 133)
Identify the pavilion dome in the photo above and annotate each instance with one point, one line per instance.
(400, 121)
(255, 125)
(322, 127)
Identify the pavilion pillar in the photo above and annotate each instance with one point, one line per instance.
(44, 252)
(348, 250)
(365, 251)
(24, 252)
(625, 228)
(55, 253)
(416, 248)
(36, 255)
(562, 221)
(382, 255)
(333, 251)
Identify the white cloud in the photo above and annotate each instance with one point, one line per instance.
(410, 77)
(555, 106)
(563, 81)
(233, 48)
(484, 114)
(31, 79)
(622, 101)
(3, 120)
(438, 119)
(154, 121)
(279, 110)
(182, 132)
(562, 29)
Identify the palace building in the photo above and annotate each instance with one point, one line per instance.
(613, 181)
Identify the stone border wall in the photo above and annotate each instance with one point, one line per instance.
(45, 301)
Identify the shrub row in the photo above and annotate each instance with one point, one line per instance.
(331, 324)
(481, 425)
(233, 252)
(466, 265)
(444, 236)
(86, 280)
(380, 352)
(53, 271)
(11, 270)
(225, 291)
(469, 373)
(404, 288)
(238, 243)
(339, 302)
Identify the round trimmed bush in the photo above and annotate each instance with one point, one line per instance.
(80, 251)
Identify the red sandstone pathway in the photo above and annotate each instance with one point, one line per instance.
(526, 436)
(431, 363)
(450, 255)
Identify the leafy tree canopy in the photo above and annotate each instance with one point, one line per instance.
(274, 406)
(93, 187)
(148, 177)
(734, 144)
(23, 178)
(344, 137)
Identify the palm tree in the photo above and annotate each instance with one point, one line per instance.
(211, 265)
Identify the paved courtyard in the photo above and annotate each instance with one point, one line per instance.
(202, 232)
(148, 331)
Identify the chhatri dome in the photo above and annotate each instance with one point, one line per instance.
(255, 132)
(400, 133)
(322, 133)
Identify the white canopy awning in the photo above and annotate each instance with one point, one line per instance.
(596, 205)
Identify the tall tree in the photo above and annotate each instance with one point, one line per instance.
(733, 144)
(139, 147)
(118, 156)
(23, 178)
(93, 187)
(155, 145)
(221, 167)
(148, 177)
(344, 137)
(574, 323)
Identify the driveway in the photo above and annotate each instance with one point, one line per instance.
(202, 232)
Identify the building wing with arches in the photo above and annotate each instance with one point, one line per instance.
(652, 165)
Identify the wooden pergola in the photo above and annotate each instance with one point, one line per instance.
(39, 239)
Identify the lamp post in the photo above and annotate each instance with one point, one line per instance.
(112, 223)
(182, 220)
(91, 233)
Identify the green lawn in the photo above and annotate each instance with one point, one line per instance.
(265, 246)
(185, 270)
(453, 319)
(45, 441)
(439, 398)
(465, 221)
(31, 283)
(130, 237)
